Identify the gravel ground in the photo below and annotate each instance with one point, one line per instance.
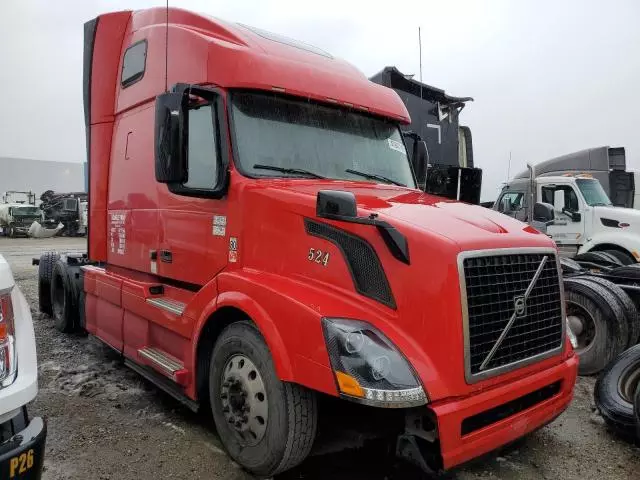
(105, 422)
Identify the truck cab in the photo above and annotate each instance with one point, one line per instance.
(258, 245)
(584, 217)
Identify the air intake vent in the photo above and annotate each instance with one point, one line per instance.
(366, 270)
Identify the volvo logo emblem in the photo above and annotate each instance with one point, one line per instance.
(520, 306)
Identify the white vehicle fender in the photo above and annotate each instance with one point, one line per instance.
(629, 241)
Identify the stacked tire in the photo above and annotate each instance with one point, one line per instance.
(617, 394)
(603, 318)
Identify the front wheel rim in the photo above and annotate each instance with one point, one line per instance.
(243, 396)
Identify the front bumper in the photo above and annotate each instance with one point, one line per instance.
(457, 447)
(22, 453)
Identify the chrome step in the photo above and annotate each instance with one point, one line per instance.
(161, 359)
(172, 306)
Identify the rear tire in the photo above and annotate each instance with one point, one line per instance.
(625, 258)
(605, 331)
(636, 410)
(592, 260)
(65, 314)
(288, 411)
(630, 311)
(615, 391)
(45, 272)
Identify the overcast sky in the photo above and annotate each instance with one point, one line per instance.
(548, 77)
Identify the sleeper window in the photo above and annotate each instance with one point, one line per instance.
(133, 65)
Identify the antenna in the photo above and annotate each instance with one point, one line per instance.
(166, 50)
(509, 167)
(420, 49)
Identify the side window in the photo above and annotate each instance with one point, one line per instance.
(202, 151)
(510, 202)
(547, 194)
(568, 195)
(571, 200)
(134, 62)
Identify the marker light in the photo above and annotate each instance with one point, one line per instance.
(368, 367)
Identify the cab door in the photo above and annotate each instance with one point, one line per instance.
(568, 228)
(193, 233)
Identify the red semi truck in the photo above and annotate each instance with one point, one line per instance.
(257, 245)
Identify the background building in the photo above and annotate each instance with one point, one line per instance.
(39, 176)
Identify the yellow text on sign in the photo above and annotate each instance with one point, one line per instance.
(20, 464)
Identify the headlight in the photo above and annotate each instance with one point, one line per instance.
(368, 367)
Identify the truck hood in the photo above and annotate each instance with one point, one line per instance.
(620, 214)
(467, 226)
(425, 322)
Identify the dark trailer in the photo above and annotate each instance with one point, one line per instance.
(434, 116)
(435, 119)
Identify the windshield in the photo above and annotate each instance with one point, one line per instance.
(593, 192)
(24, 211)
(280, 137)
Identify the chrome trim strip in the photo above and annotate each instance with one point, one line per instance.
(171, 306)
(471, 378)
(161, 359)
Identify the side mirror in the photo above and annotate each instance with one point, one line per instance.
(420, 160)
(543, 212)
(336, 204)
(575, 216)
(170, 155)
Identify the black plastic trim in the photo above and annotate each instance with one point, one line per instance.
(163, 383)
(90, 29)
(506, 410)
(609, 222)
(372, 284)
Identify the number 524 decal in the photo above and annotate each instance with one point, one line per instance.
(318, 256)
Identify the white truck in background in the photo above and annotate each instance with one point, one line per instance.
(582, 218)
(22, 439)
(16, 218)
(606, 164)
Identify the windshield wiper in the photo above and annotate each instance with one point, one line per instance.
(298, 171)
(374, 176)
(601, 204)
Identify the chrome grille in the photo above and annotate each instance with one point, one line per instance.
(512, 307)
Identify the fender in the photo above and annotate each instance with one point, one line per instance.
(260, 317)
(629, 241)
(288, 313)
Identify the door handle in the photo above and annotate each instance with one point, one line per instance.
(166, 256)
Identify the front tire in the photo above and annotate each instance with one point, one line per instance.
(266, 425)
